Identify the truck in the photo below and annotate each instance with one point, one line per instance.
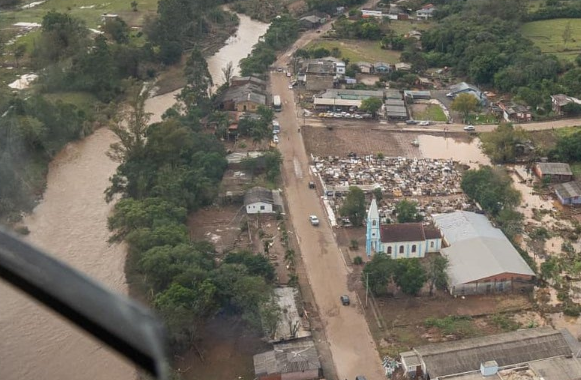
(276, 103)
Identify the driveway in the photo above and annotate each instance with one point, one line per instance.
(350, 342)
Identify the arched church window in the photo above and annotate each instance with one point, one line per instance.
(389, 250)
(413, 248)
(401, 249)
(373, 223)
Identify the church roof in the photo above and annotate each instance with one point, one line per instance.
(400, 232)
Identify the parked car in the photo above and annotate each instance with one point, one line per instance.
(424, 123)
(357, 116)
(288, 74)
(411, 122)
(290, 86)
(345, 300)
(469, 128)
(314, 220)
(311, 185)
(275, 139)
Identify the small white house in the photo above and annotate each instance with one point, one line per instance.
(259, 200)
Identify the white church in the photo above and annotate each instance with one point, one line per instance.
(401, 240)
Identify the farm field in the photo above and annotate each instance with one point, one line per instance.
(548, 36)
(356, 51)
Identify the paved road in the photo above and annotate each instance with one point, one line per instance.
(352, 347)
(536, 126)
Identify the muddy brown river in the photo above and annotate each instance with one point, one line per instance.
(71, 223)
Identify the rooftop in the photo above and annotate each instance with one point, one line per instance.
(294, 356)
(568, 189)
(517, 347)
(258, 194)
(562, 99)
(391, 233)
(477, 249)
(351, 94)
(554, 168)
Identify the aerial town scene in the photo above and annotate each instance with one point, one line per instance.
(290, 189)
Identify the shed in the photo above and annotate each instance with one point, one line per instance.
(553, 171)
(413, 95)
(381, 67)
(259, 200)
(402, 66)
(467, 355)
(395, 109)
(365, 67)
(296, 360)
(569, 193)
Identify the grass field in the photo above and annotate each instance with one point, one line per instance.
(88, 10)
(356, 51)
(432, 112)
(403, 27)
(548, 36)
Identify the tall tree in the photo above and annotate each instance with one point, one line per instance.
(227, 73)
(130, 125)
(407, 212)
(196, 92)
(437, 273)
(378, 273)
(354, 206)
(371, 105)
(410, 276)
(501, 143)
(465, 104)
(567, 33)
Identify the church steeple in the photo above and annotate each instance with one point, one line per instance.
(373, 235)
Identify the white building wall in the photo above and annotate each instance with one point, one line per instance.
(259, 207)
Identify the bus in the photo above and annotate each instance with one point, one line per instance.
(276, 104)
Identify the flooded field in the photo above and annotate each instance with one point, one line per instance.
(462, 150)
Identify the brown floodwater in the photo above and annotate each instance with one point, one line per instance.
(71, 223)
(466, 152)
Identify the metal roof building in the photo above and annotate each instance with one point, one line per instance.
(395, 109)
(298, 359)
(568, 193)
(442, 360)
(481, 259)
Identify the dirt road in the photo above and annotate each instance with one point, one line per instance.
(352, 347)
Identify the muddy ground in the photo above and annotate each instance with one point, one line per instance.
(363, 140)
(225, 351)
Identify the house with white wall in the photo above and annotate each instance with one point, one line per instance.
(259, 200)
(401, 240)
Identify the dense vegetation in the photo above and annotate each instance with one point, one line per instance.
(481, 41)
(69, 58)
(282, 33)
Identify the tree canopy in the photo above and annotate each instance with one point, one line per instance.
(407, 212)
(501, 144)
(491, 188)
(354, 206)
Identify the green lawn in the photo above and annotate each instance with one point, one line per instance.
(92, 16)
(82, 100)
(355, 51)
(433, 112)
(403, 27)
(548, 36)
(481, 119)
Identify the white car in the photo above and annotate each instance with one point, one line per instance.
(357, 116)
(314, 220)
(290, 86)
(424, 123)
(469, 128)
(275, 139)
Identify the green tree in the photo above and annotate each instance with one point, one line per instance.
(378, 194)
(62, 36)
(272, 162)
(134, 6)
(437, 273)
(567, 34)
(130, 126)
(378, 273)
(354, 206)
(118, 29)
(407, 212)
(371, 105)
(19, 52)
(491, 188)
(410, 276)
(465, 104)
(258, 265)
(501, 143)
(199, 82)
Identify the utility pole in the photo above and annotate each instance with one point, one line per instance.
(366, 288)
